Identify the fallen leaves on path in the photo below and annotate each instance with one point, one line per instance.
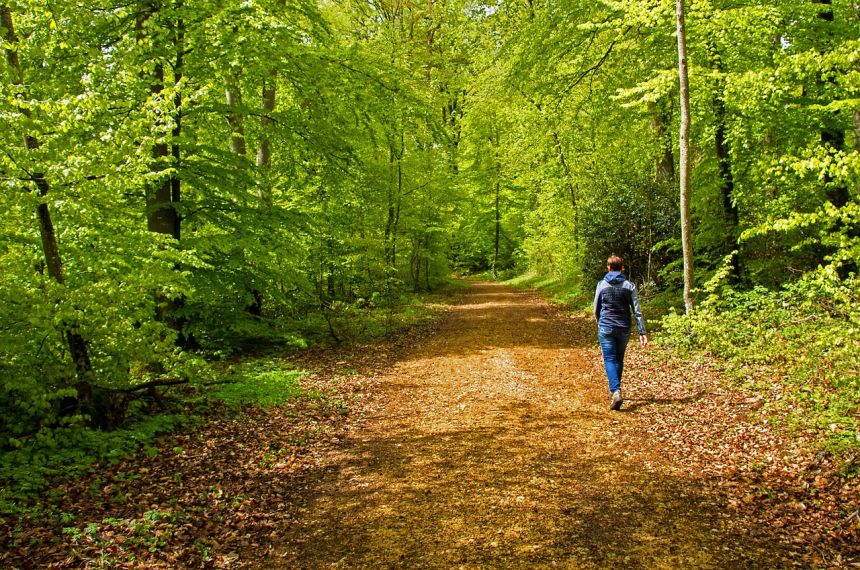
(774, 480)
(480, 441)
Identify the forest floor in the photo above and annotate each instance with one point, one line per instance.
(481, 441)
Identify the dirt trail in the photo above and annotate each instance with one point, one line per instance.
(489, 445)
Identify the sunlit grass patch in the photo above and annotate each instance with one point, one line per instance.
(263, 383)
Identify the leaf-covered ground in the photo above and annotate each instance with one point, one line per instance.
(481, 441)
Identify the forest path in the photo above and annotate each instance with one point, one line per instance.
(489, 445)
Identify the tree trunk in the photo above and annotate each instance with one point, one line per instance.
(498, 232)
(176, 180)
(664, 166)
(571, 192)
(664, 169)
(267, 124)
(451, 113)
(857, 129)
(427, 261)
(856, 111)
(832, 134)
(162, 198)
(160, 214)
(415, 264)
(731, 217)
(77, 344)
(233, 94)
(684, 169)
(395, 192)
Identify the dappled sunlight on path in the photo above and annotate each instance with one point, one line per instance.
(490, 445)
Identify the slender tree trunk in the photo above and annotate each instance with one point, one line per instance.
(399, 201)
(856, 111)
(163, 198)
(684, 169)
(427, 262)
(233, 95)
(395, 192)
(160, 214)
(731, 217)
(267, 124)
(498, 232)
(451, 114)
(832, 135)
(664, 166)
(78, 346)
(571, 192)
(415, 264)
(263, 157)
(727, 181)
(857, 129)
(176, 180)
(390, 236)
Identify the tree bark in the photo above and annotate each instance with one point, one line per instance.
(832, 135)
(160, 214)
(856, 111)
(857, 129)
(163, 198)
(498, 232)
(684, 168)
(233, 95)
(731, 216)
(175, 179)
(267, 124)
(395, 193)
(664, 166)
(571, 192)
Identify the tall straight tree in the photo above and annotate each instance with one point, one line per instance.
(684, 154)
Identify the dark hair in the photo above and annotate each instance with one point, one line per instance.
(615, 263)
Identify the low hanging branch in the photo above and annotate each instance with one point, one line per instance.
(165, 382)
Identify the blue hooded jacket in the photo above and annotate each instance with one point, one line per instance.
(613, 299)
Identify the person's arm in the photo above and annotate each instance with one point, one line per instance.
(637, 313)
(597, 302)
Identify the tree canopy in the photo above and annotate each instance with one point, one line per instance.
(184, 178)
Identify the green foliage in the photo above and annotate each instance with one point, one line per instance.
(259, 383)
(570, 292)
(797, 346)
(28, 465)
(185, 179)
(103, 109)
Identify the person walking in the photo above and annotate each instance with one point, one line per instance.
(614, 297)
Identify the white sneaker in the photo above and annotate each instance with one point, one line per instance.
(616, 400)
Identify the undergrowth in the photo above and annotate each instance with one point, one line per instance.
(31, 465)
(568, 291)
(797, 346)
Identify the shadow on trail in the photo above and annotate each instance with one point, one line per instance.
(489, 450)
(631, 405)
(489, 498)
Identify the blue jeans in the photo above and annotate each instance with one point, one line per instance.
(613, 344)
